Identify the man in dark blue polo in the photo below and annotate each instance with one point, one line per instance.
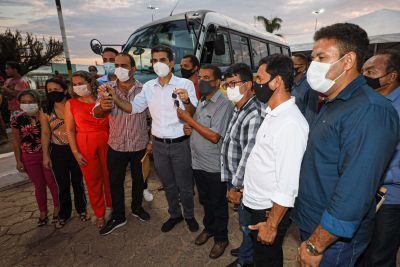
(349, 147)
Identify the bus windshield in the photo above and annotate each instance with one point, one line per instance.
(175, 34)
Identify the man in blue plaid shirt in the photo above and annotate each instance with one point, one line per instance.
(237, 145)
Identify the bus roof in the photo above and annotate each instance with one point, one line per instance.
(223, 21)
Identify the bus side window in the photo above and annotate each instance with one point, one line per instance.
(211, 55)
(259, 50)
(240, 47)
(285, 51)
(274, 49)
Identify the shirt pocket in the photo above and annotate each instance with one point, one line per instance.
(205, 119)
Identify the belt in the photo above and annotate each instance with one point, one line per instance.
(171, 140)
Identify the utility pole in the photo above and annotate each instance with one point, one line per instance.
(64, 38)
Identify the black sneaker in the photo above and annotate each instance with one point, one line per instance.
(192, 224)
(111, 225)
(141, 214)
(170, 224)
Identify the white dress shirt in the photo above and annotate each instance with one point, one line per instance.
(273, 167)
(165, 123)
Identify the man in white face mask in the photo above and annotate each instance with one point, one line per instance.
(349, 147)
(128, 142)
(171, 148)
(108, 56)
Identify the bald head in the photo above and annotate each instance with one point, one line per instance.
(378, 67)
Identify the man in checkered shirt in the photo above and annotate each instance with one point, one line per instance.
(236, 147)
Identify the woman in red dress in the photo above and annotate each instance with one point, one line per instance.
(88, 139)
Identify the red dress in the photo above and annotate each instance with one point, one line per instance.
(91, 139)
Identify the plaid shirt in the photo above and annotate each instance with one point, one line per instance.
(239, 140)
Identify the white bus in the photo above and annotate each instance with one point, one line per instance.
(212, 37)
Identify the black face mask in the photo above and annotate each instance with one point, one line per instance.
(262, 91)
(186, 73)
(55, 96)
(374, 82)
(296, 71)
(205, 88)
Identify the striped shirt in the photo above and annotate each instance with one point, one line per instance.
(128, 132)
(239, 140)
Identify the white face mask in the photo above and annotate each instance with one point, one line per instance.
(234, 94)
(161, 69)
(109, 68)
(122, 74)
(82, 90)
(29, 108)
(316, 76)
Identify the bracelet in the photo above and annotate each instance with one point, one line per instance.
(187, 102)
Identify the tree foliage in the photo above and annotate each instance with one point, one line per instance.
(29, 50)
(270, 25)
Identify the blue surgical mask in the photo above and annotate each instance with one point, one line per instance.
(109, 68)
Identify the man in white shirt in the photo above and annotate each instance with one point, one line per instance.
(171, 147)
(273, 167)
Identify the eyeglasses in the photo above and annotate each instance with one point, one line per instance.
(162, 60)
(232, 84)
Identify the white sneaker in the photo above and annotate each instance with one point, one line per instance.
(147, 195)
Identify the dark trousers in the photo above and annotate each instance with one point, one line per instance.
(268, 255)
(117, 163)
(67, 171)
(212, 196)
(382, 251)
(173, 163)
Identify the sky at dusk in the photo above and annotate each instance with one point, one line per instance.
(112, 21)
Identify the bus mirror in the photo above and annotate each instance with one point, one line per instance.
(219, 45)
(96, 46)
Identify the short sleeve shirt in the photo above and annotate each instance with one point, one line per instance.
(214, 114)
(18, 85)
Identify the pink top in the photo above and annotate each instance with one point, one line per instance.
(18, 85)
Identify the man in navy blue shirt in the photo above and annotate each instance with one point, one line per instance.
(383, 74)
(349, 147)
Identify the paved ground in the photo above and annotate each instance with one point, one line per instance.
(136, 244)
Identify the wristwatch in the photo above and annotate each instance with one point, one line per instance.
(237, 188)
(311, 249)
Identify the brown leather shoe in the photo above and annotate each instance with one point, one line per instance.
(218, 249)
(202, 238)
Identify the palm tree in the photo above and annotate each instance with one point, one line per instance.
(270, 25)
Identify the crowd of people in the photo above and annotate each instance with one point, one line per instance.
(310, 143)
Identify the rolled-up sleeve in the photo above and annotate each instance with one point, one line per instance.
(289, 149)
(189, 86)
(368, 139)
(139, 103)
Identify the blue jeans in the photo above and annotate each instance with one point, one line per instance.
(246, 248)
(340, 253)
